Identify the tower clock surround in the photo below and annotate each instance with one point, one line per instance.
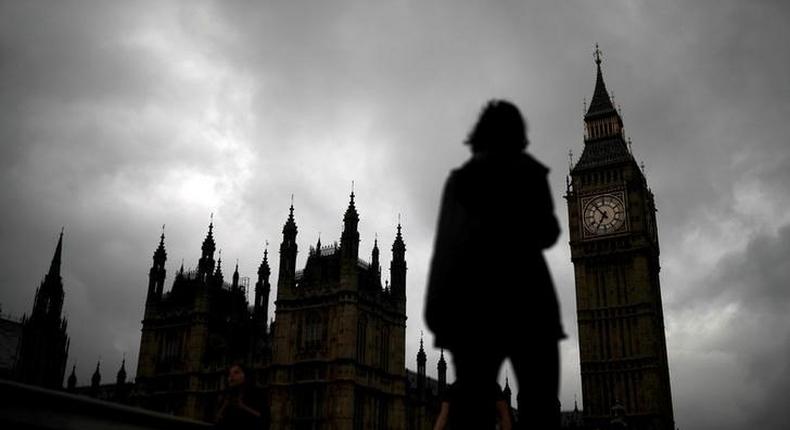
(604, 214)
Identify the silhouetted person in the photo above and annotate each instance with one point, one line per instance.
(490, 294)
(243, 404)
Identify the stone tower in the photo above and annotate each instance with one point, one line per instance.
(44, 346)
(338, 338)
(191, 334)
(615, 253)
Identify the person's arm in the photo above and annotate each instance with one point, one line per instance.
(248, 409)
(503, 410)
(549, 229)
(441, 420)
(444, 260)
(222, 409)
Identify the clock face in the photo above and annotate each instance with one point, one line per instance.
(604, 214)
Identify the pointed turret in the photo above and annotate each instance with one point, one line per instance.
(262, 289)
(72, 382)
(235, 284)
(349, 240)
(96, 378)
(54, 267)
(206, 262)
(288, 250)
(219, 278)
(374, 261)
(120, 378)
(398, 268)
(441, 368)
(43, 348)
(48, 302)
(421, 361)
(156, 276)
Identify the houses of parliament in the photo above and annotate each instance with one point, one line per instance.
(334, 354)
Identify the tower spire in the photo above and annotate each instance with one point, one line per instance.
(262, 290)
(288, 250)
(120, 378)
(349, 239)
(72, 382)
(442, 372)
(54, 267)
(374, 261)
(156, 276)
(96, 378)
(236, 275)
(421, 360)
(601, 103)
(206, 262)
(398, 268)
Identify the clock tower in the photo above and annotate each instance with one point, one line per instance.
(615, 254)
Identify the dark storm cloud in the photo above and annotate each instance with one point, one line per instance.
(740, 313)
(117, 118)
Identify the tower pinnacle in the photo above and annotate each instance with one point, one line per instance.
(601, 104)
(54, 267)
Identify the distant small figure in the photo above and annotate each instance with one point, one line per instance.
(500, 413)
(490, 295)
(243, 405)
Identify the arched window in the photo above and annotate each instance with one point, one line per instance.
(314, 331)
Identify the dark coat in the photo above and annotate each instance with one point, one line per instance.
(488, 281)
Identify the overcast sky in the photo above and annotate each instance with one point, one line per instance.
(116, 118)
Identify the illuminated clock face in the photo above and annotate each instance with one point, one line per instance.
(604, 214)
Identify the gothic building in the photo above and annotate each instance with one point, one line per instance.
(333, 357)
(615, 253)
(194, 331)
(44, 344)
(338, 343)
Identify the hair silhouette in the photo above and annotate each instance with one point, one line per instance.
(500, 128)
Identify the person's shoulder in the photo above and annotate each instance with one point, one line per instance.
(531, 163)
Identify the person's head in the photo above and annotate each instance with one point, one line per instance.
(500, 129)
(237, 375)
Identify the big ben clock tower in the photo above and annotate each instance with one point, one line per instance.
(615, 254)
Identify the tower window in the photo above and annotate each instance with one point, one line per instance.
(383, 348)
(314, 331)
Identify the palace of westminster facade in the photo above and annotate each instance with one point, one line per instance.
(334, 355)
